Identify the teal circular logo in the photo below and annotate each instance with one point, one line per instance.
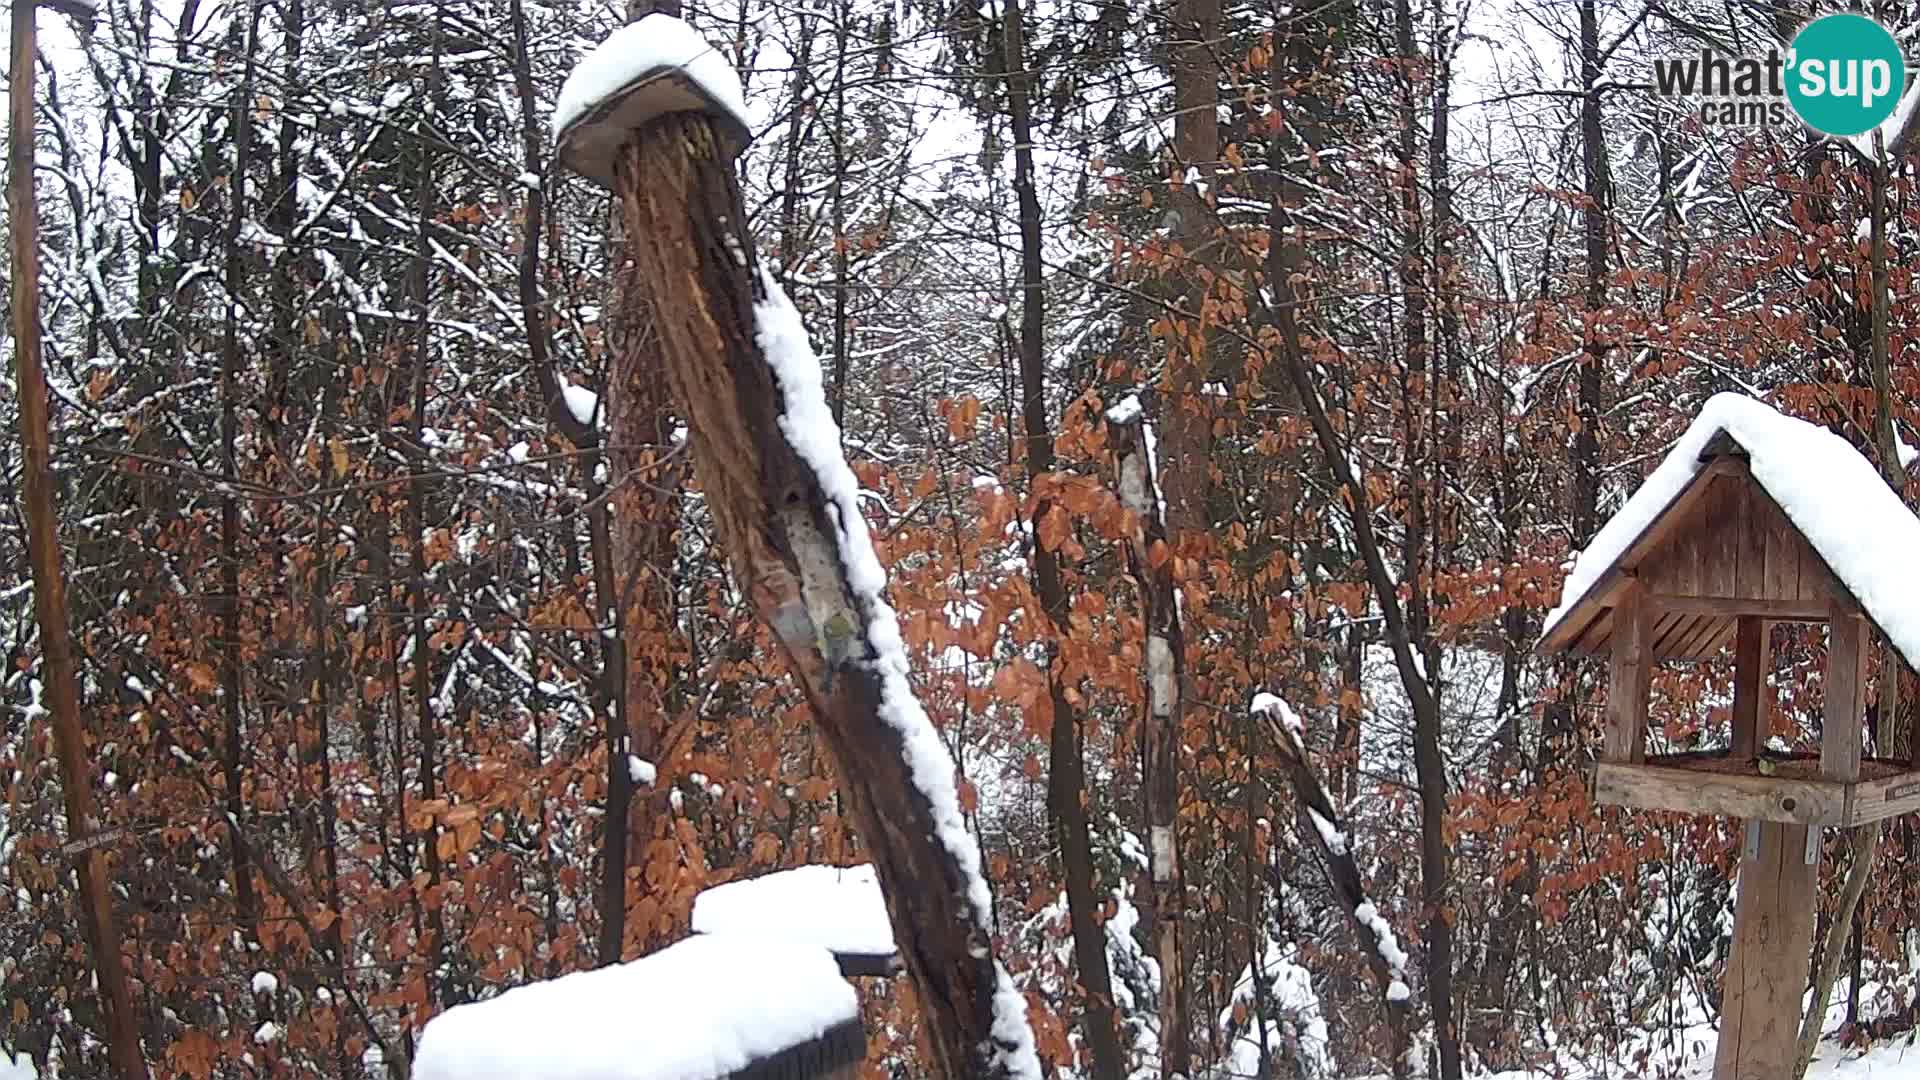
(1844, 74)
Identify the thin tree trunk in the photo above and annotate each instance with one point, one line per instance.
(1150, 564)
(1286, 260)
(1193, 52)
(1066, 777)
(418, 597)
(1593, 159)
(62, 688)
(240, 116)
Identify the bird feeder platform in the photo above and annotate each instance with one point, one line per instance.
(591, 143)
(1795, 793)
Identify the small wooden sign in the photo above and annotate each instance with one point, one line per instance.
(77, 847)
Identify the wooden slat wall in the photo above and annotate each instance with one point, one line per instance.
(1734, 544)
(1730, 543)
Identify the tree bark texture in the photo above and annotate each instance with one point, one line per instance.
(49, 578)
(1285, 263)
(676, 187)
(1593, 159)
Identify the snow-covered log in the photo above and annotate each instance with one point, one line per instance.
(1322, 824)
(785, 508)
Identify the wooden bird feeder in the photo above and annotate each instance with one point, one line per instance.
(590, 144)
(1716, 565)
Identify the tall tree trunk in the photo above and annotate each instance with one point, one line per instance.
(1193, 50)
(418, 598)
(1594, 217)
(240, 117)
(1863, 843)
(1066, 776)
(1286, 259)
(800, 552)
(84, 843)
(1166, 674)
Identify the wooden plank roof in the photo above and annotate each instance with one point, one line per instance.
(1752, 513)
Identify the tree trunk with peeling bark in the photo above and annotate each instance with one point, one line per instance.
(675, 185)
(1150, 561)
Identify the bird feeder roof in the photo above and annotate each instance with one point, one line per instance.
(839, 908)
(1762, 514)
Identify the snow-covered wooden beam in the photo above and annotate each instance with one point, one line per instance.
(785, 507)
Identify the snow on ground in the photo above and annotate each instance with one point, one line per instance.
(1832, 495)
(697, 1010)
(834, 907)
(653, 42)
(17, 1067)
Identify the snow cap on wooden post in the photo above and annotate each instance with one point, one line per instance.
(643, 71)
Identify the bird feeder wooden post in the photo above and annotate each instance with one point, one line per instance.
(664, 138)
(1714, 559)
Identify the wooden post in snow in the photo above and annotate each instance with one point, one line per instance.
(49, 579)
(663, 136)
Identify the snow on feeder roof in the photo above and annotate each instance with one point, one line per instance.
(643, 71)
(839, 909)
(707, 1008)
(1860, 537)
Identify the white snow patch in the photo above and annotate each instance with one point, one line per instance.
(1388, 944)
(641, 771)
(836, 908)
(811, 431)
(17, 1067)
(654, 42)
(583, 403)
(1833, 495)
(1335, 840)
(1265, 703)
(697, 1010)
(264, 982)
